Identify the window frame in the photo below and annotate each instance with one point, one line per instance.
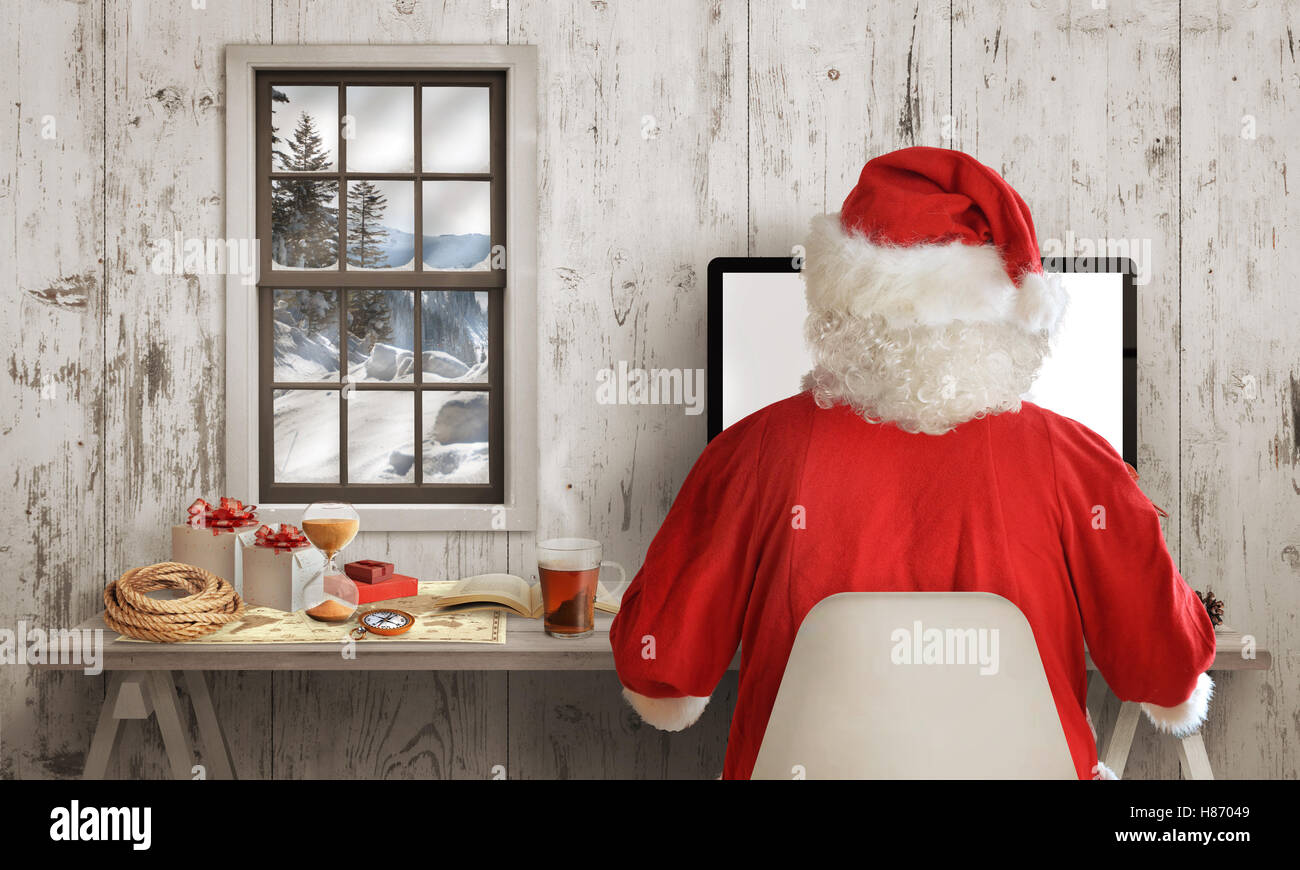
(509, 501)
(343, 280)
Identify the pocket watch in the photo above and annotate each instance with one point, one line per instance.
(384, 622)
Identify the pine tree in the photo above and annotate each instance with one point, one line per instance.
(453, 322)
(306, 151)
(366, 233)
(277, 156)
(370, 316)
(304, 225)
(318, 310)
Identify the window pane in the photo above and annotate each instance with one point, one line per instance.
(456, 133)
(306, 336)
(454, 335)
(381, 335)
(457, 224)
(304, 224)
(306, 436)
(455, 432)
(381, 436)
(380, 129)
(304, 128)
(381, 225)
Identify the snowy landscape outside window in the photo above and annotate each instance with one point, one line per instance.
(380, 365)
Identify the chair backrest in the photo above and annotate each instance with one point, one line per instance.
(914, 685)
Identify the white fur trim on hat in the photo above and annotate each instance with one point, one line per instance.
(1040, 304)
(1186, 717)
(925, 284)
(667, 714)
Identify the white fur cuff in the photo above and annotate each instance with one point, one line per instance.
(1101, 771)
(667, 714)
(1186, 717)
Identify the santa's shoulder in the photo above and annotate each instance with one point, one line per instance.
(796, 410)
(1070, 439)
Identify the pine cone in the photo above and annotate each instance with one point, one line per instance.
(1213, 606)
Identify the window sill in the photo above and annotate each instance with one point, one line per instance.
(420, 517)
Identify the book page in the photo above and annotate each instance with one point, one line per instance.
(507, 586)
(605, 599)
(486, 591)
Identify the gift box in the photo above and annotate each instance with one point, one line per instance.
(279, 565)
(213, 538)
(369, 570)
(396, 586)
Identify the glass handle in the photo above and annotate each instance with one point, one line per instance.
(622, 578)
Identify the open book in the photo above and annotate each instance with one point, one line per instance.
(507, 592)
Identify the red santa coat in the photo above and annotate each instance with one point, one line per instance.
(796, 503)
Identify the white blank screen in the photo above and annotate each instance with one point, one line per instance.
(764, 355)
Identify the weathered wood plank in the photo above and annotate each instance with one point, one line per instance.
(1241, 379)
(642, 180)
(367, 21)
(52, 209)
(568, 729)
(832, 85)
(446, 725)
(164, 368)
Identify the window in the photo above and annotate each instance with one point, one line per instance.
(388, 343)
(377, 375)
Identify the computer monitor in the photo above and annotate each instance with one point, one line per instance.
(757, 353)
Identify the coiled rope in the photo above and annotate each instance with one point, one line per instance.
(211, 603)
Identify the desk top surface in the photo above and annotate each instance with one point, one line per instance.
(527, 648)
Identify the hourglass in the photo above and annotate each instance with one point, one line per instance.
(331, 526)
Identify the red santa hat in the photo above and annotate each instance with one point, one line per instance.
(928, 237)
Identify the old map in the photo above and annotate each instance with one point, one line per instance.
(267, 625)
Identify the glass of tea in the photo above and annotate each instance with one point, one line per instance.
(330, 526)
(569, 569)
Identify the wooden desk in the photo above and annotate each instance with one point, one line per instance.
(143, 678)
(1228, 656)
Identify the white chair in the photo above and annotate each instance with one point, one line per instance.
(927, 685)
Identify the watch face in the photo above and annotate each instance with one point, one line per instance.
(385, 619)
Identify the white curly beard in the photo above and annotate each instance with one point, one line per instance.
(924, 379)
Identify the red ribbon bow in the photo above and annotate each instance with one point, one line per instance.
(232, 514)
(287, 539)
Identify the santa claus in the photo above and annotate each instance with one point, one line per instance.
(913, 465)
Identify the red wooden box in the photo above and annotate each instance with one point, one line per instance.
(368, 570)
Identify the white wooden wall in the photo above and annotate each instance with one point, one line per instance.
(1158, 120)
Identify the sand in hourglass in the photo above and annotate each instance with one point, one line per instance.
(330, 536)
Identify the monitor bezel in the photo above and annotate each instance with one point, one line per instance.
(719, 267)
